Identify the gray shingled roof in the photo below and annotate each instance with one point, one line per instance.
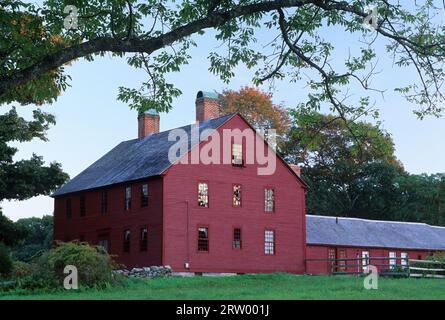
(371, 233)
(134, 159)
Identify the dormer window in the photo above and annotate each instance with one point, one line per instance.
(237, 155)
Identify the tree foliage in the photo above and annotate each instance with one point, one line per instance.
(20, 180)
(156, 36)
(10, 233)
(349, 167)
(257, 107)
(39, 237)
(351, 171)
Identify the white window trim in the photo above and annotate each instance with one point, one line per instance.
(392, 261)
(365, 261)
(405, 257)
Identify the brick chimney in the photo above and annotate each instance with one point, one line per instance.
(148, 123)
(296, 168)
(207, 105)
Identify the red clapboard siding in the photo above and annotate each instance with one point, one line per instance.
(115, 221)
(180, 227)
(172, 228)
(321, 252)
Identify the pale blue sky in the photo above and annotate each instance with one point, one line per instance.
(90, 121)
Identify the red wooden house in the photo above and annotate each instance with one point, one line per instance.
(200, 217)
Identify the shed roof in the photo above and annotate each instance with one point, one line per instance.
(136, 159)
(324, 230)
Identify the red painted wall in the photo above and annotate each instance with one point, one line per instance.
(94, 225)
(182, 216)
(172, 228)
(321, 252)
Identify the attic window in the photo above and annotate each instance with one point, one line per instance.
(144, 195)
(236, 195)
(203, 195)
(127, 198)
(269, 200)
(103, 202)
(237, 154)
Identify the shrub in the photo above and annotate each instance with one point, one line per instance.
(439, 256)
(94, 266)
(21, 269)
(5, 260)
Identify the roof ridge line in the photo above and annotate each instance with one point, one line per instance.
(371, 220)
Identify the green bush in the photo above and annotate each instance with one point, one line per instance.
(94, 266)
(5, 261)
(21, 269)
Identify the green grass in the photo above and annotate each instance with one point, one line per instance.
(271, 286)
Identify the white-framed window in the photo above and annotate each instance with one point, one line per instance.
(237, 154)
(392, 260)
(127, 239)
(203, 195)
(365, 261)
(404, 260)
(104, 244)
(144, 195)
(269, 200)
(269, 242)
(203, 239)
(236, 198)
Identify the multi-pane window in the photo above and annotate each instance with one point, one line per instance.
(237, 154)
(236, 195)
(404, 260)
(127, 198)
(103, 202)
(237, 238)
(342, 263)
(104, 244)
(392, 260)
(269, 242)
(82, 206)
(144, 239)
(365, 261)
(203, 194)
(144, 195)
(331, 257)
(127, 238)
(203, 239)
(69, 210)
(269, 200)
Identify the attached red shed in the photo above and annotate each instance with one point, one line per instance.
(353, 238)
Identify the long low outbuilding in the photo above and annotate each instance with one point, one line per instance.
(329, 238)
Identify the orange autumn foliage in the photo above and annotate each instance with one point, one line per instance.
(257, 107)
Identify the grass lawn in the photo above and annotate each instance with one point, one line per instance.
(268, 286)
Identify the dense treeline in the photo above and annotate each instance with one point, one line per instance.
(350, 166)
(352, 171)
